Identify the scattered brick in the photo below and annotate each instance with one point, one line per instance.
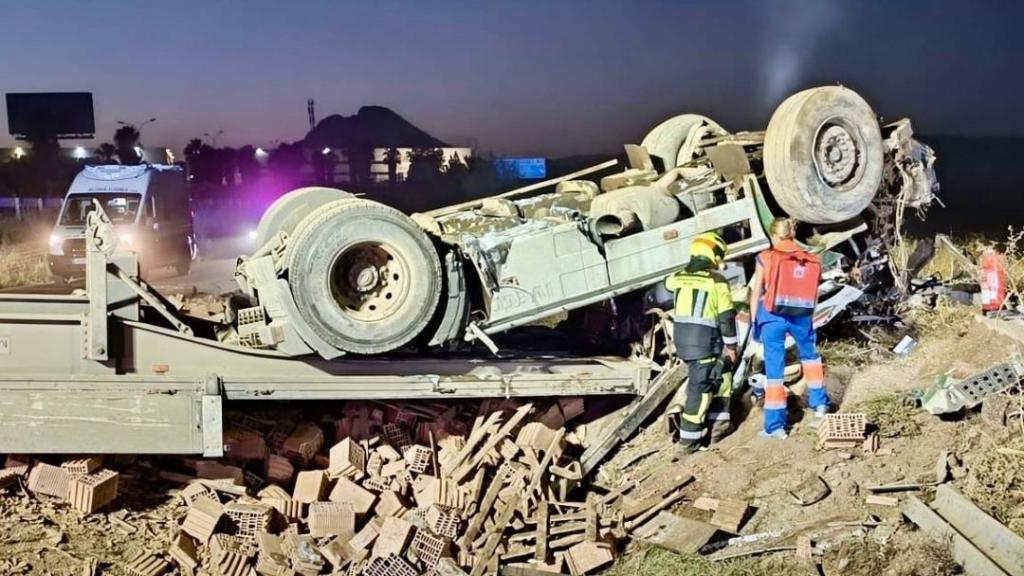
(331, 519)
(418, 458)
(221, 544)
(184, 551)
(429, 549)
(202, 519)
(248, 519)
(232, 564)
(345, 490)
(197, 490)
(395, 536)
(271, 559)
(588, 557)
(90, 492)
(147, 564)
(442, 522)
(18, 462)
(82, 466)
(49, 480)
(290, 509)
(365, 537)
(390, 565)
(388, 453)
(243, 445)
(397, 436)
(302, 445)
(305, 557)
(842, 430)
(391, 504)
(347, 458)
(273, 491)
(279, 469)
(217, 471)
(310, 486)
(395, 468)
(572, 407)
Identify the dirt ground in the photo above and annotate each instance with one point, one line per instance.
(38, 536)
(764, 471)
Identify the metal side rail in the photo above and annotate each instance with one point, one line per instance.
(106, 415)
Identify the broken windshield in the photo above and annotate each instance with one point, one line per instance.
(120, 208)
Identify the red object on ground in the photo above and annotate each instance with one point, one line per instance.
(993, 281)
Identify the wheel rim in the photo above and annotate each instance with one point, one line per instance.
(370, 281)
(837, 154)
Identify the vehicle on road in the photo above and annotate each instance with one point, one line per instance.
(149, 207)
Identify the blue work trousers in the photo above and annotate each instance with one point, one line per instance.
(771, 330)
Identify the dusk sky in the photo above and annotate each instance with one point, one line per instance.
(517, 77)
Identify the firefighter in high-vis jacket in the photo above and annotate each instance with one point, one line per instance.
(705, 338)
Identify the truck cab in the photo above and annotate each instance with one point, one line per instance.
(147, 204)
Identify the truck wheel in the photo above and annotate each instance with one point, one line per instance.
(364, 276)
(676, 140)
(287, 211)
(183, 264)
(823, 155)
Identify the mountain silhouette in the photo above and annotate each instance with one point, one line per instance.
(371, 127)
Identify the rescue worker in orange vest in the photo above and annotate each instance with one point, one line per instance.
(782, 300)
(704, 329)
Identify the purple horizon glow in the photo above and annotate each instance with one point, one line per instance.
(521, 78)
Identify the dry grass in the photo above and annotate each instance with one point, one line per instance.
(946, 318)
(895, 415)
(20, 267)
(907, 554)
(996, 480)
(651, 561)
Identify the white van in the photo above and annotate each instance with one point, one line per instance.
(148, 205)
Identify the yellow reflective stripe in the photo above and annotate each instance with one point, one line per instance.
(702, 412)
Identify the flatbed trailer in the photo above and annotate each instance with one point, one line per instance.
(115, 369)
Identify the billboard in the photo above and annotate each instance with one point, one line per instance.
(521, 168)
(60, 114)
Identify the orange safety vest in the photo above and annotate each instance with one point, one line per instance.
(791, 279)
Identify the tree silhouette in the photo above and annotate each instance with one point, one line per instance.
(248, 167)
(126, 140)
(425, 164)
(106, 153)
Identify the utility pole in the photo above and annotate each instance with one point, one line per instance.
(311, 109)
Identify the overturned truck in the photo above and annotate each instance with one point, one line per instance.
(338, 274)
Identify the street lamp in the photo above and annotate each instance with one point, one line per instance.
(135, 125)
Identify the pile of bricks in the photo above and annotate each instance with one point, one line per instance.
(409, 489)
(389, 490)
(80, 481)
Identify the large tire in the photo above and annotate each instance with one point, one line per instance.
(676, 140)
(823, 155)
(287, 211)
(365, 277)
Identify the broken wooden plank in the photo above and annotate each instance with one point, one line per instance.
(988, 534)
(876, 500)
(675, 533)
(541, 552)
(974, 562)
(730, 514)
(661, 388)
(461, 472)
